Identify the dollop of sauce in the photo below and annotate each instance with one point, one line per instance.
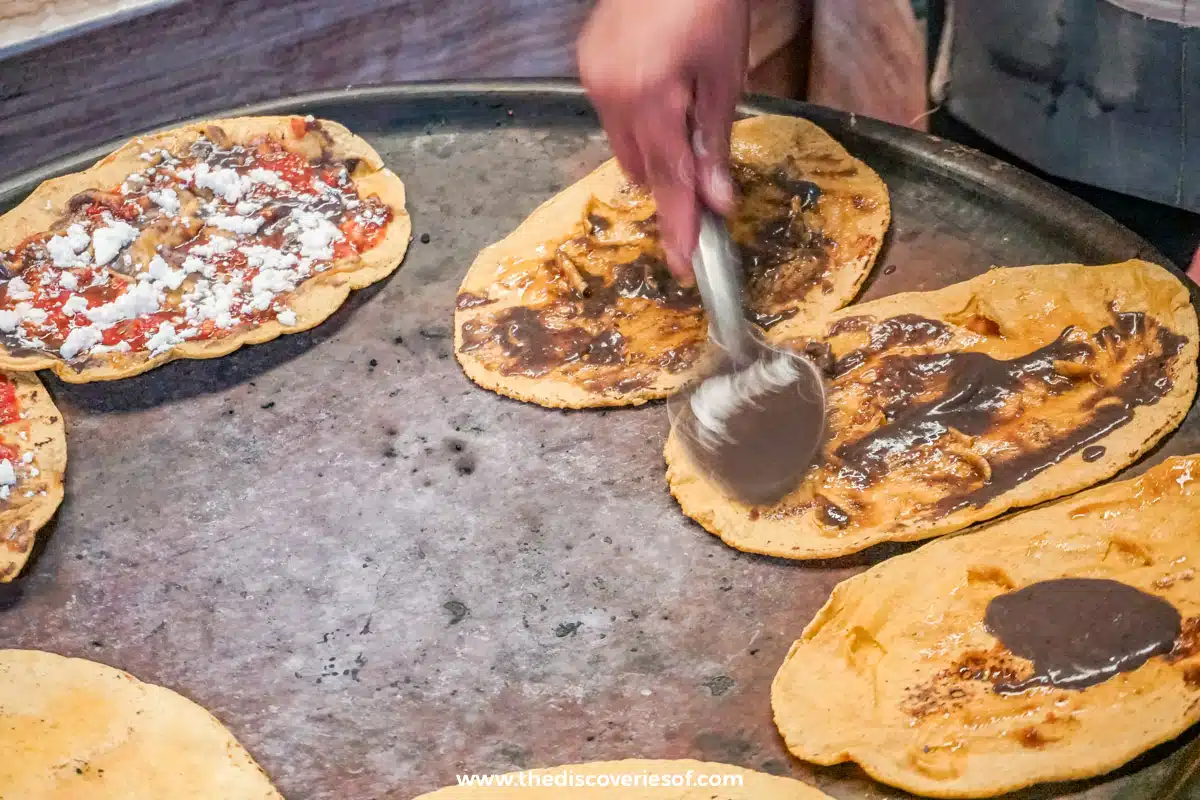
(1079, 632)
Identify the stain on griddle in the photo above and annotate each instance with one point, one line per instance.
(424, 238)
(719, 685)
(889, 269)
(515, 755)
(434, 332)
(458, 611)
(10, 594)
(267, 406)
(722, 748)
(566, 629)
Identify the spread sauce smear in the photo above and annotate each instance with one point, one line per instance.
(918, 411)
(193, 246)
(601, 308)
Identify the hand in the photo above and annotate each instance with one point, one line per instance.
(1193, 270)
(665, 76)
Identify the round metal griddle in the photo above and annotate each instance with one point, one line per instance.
(379, 576)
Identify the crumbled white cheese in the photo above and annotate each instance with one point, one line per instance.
(134, 183)
(8, 475)
(28, 312)
(247, 207)
(62, 254)
(9, 320)
(215, 246)
(76, 304)
(80, 340)
(317, 234)
(77, 235)
(166, 199)
(68, 281)
(163, 339)
(109, 240)
(267, 177)
(34, 472)
(267, 284)
(27, 457)
(236, 224)
(5, 492)
(142, 298)
(18, 289)
(119, 347)
(159, 270)
(286, 317)
(223, 181)
(186, 175)
(211, 301)
(192, 264)
(268, 257)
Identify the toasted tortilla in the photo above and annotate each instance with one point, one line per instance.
(313, 301)
(575, 308)
(616, 780)
(965, 475)
(878, 676)
(35, 496)
(72, 728)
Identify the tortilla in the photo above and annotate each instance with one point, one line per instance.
(953, 406)
(576, 308)
(899, 673)
(575, 780)
(34, 445)
(175, 238)
(72, 728)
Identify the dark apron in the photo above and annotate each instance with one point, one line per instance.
(1086, 90)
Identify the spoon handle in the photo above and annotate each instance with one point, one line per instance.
(717, 265)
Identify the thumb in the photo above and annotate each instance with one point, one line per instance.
(1193, 270)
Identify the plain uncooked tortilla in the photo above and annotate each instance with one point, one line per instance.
(314, 300)
(71, 729)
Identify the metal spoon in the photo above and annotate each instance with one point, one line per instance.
(755, 424)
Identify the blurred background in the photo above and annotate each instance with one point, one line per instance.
(75, 73)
